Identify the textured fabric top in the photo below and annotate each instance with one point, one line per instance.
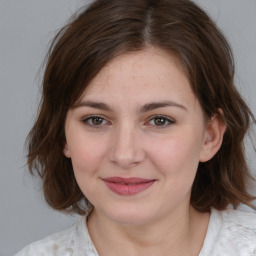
(230, 233)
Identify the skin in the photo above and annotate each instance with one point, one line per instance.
(129, 139)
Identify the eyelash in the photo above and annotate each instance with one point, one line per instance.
(89, 121)
(167, 121)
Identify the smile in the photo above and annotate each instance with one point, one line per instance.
(127, 186)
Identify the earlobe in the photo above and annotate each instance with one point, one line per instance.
(215, 130)
(66, 151)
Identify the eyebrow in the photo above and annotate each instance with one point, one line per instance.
(145, 108)
(92, 104)
(162, 104)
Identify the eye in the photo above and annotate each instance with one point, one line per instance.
(160, 121)
(96, 121)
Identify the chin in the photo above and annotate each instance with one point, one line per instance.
(131, 216)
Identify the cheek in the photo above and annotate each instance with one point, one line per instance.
(86, 154)
(176, 156)
(86, 157)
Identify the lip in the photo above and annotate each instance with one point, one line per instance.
(127, 186)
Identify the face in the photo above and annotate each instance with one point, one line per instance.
(136, 137)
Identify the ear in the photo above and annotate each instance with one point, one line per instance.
(66, 151)
(215, 130)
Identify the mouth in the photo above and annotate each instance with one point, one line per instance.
(127, 186)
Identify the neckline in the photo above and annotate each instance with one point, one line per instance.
(212, 229)
(84, 245)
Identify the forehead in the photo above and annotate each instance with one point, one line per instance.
(150, 72)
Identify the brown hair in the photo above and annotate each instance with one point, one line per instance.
(108, 28)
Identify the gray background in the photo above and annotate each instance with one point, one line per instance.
(26, 27)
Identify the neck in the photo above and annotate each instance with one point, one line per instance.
(181, 233)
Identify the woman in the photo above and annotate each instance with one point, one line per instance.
(140, 131)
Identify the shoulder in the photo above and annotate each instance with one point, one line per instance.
(237, 224)
(59, 244)
(238, 219)
(231, 232)
(73, 241)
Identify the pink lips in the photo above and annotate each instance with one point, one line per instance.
(127, 186)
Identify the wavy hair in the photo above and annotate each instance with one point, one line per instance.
(108, 28)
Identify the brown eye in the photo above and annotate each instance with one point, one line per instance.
(94, 121)
(160, 121)
(97, 120)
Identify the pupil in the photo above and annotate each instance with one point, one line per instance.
(97, 120)
(160, 121)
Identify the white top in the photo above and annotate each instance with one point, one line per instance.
(230, 233)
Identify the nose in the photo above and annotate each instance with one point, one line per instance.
(126, 147)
